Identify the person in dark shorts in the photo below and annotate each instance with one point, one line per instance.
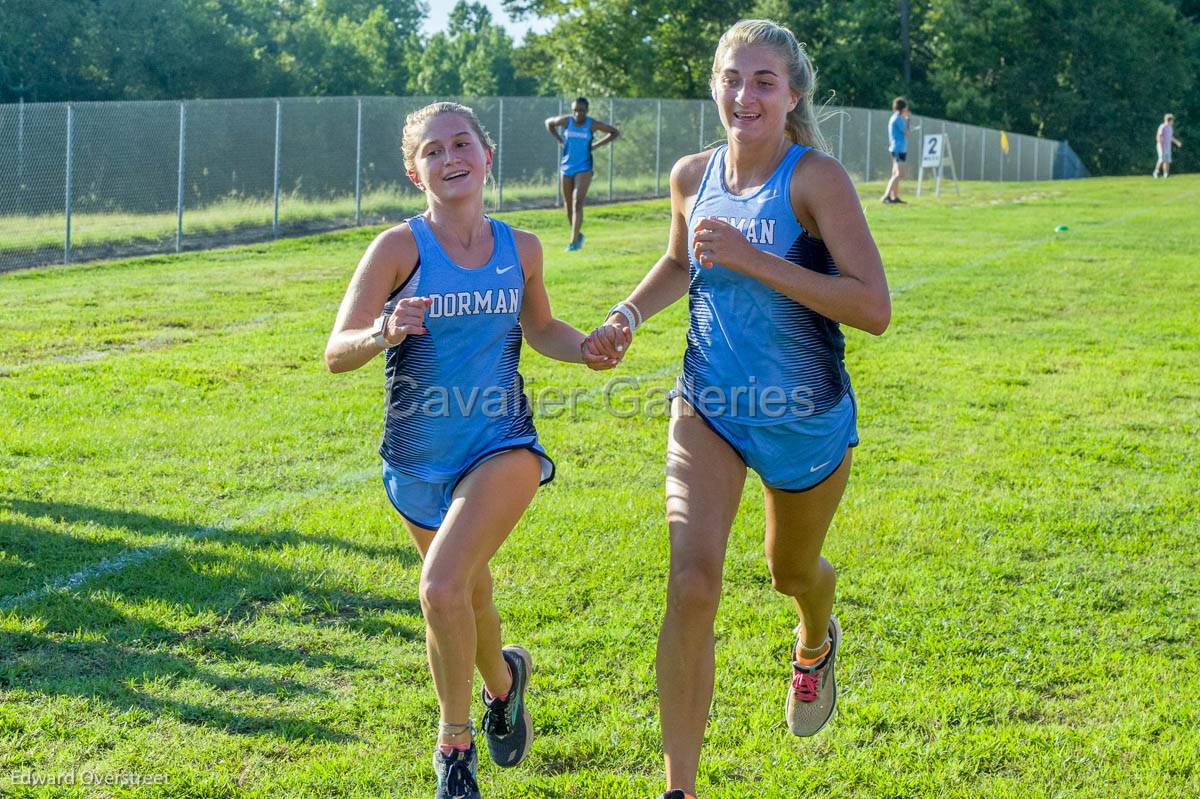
(898, 130)
(578, 140)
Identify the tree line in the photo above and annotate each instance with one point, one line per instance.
(1100, 73)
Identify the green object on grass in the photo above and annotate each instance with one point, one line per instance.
(1061, 229)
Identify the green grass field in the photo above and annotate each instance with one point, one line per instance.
(202, 582)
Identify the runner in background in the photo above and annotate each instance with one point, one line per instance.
(898, 130)
(578, 140)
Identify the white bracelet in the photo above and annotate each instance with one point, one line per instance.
(631, 314)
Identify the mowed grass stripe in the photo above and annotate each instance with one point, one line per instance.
(1017, 578)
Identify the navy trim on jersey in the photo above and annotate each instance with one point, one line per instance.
(500, 451)
(455, 392)
(407, 280)
(741, 331)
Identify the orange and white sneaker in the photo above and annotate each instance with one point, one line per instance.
(812, 696)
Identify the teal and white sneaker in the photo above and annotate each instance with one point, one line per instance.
(576, 245)
(506, 724)
(456, 774)
(812, 695)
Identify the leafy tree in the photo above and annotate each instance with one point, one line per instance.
(474, 56)
(626, 48)
(1097, 72)
(132, 49)
(856, 48)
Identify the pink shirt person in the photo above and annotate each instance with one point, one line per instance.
(1166, 133)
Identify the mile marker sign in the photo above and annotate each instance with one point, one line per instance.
(936, 155)
(932, 148)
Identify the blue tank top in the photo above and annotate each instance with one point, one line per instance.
(454, 393)
(577, 152)
(754, 355)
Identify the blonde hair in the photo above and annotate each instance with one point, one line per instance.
(1169, 118)
(802, 125)
(414, 123)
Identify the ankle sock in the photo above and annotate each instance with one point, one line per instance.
(812, 661)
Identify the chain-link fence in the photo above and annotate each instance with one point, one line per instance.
(91, 180)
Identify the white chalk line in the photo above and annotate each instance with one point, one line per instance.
(160, 341)
(134, 557)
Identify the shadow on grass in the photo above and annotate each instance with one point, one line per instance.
(210, 633)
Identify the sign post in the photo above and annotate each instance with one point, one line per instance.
(936, 155)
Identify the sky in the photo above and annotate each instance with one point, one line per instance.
(439, 16)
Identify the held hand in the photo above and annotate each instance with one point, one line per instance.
(408, 319)
(606, 346)
(717, 242)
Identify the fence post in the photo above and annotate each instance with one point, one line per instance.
(1003, 156)
(867, 168)
(557, 164)
(841, 133)
(612, 147)
(500, 160)
(278, 132)
(21, 142)
(179, 180)
(70, 165)
(1036, 152)
(962, 154)
(1019, 170)
(702, 126)
(983, 154)
(358, 167)
(658, 152)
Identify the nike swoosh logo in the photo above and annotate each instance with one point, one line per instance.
(500, 271)
(819, 466)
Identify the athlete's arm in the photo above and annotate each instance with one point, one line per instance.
(386, 264)
(610, 132)
(668, 279)
(552, 126)
(827, 205)
(551, 337)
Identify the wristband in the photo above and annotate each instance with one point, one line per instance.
(631, 314)
(379, 333)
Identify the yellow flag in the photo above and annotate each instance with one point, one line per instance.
(1004, 142)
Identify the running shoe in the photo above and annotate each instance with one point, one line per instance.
(677, 793)
(506, 724)
(456, 774)
(812, 695)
